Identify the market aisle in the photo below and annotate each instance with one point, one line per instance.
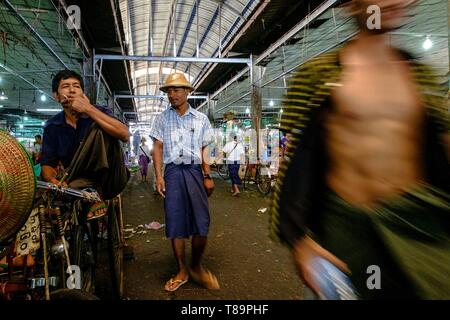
(247, 263)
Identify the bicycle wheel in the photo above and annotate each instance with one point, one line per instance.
(222, 170)
(83, 257)
(248, 176)
(263, 182)
(115, 248)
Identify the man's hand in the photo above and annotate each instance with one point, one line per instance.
(209, 186)
(80, 104)
(58, 183)
(304, 251)
(161, 186)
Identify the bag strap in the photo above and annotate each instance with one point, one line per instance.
(144, 151)
(233, 148)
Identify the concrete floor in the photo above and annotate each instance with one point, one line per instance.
(248, 264)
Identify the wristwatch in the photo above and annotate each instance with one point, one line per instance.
(207, 176)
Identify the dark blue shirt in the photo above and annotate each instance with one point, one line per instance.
(60, 140)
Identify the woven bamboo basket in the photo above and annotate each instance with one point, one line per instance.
(17, 187)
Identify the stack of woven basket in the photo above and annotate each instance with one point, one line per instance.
(17, 186)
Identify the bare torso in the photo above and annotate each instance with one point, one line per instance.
(374, 130)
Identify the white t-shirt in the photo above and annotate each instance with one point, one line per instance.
(37, 147)
(146, 149)
(234, 154)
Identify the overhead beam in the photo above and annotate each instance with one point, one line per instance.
(12, 72)
(197, 45)
(122, 49)
(166, 41)
(236, 37)
(308, 19)
(287, 71)
(34, 31)
(149, 42)
(171, 59)
(144, 96)
(236, 12)
(80, 36)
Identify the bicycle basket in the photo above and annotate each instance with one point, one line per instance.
(17, 186)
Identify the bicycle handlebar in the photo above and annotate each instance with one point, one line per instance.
(86, 195)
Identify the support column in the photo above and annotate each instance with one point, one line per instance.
(211, 108)
(112, 106)
(88, 79)
(256, 103)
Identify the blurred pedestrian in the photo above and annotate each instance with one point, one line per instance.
(366, 182)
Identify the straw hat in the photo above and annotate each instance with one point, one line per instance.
(176, 80)
(17, 186)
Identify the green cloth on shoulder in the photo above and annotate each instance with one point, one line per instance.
(415, 229)
(406, 236)
(99, 159)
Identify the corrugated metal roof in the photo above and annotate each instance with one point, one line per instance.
(170, 28)
(429, 18)
(35, 44)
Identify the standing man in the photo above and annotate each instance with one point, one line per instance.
(181, 136)
(235, 152)
(366, 182)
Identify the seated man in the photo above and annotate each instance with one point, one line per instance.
(83, 138)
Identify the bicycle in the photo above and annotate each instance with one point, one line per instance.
(258, 174)
(221, 169)
(116, 243)
(66, 239)
(59, 241)
(48, 232)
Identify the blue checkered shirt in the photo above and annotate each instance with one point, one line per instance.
(183, 137)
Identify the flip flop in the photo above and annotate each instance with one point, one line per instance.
(169, 286)
(208, 280)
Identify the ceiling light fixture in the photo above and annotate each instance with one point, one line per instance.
(427, 44)
(43, 98)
